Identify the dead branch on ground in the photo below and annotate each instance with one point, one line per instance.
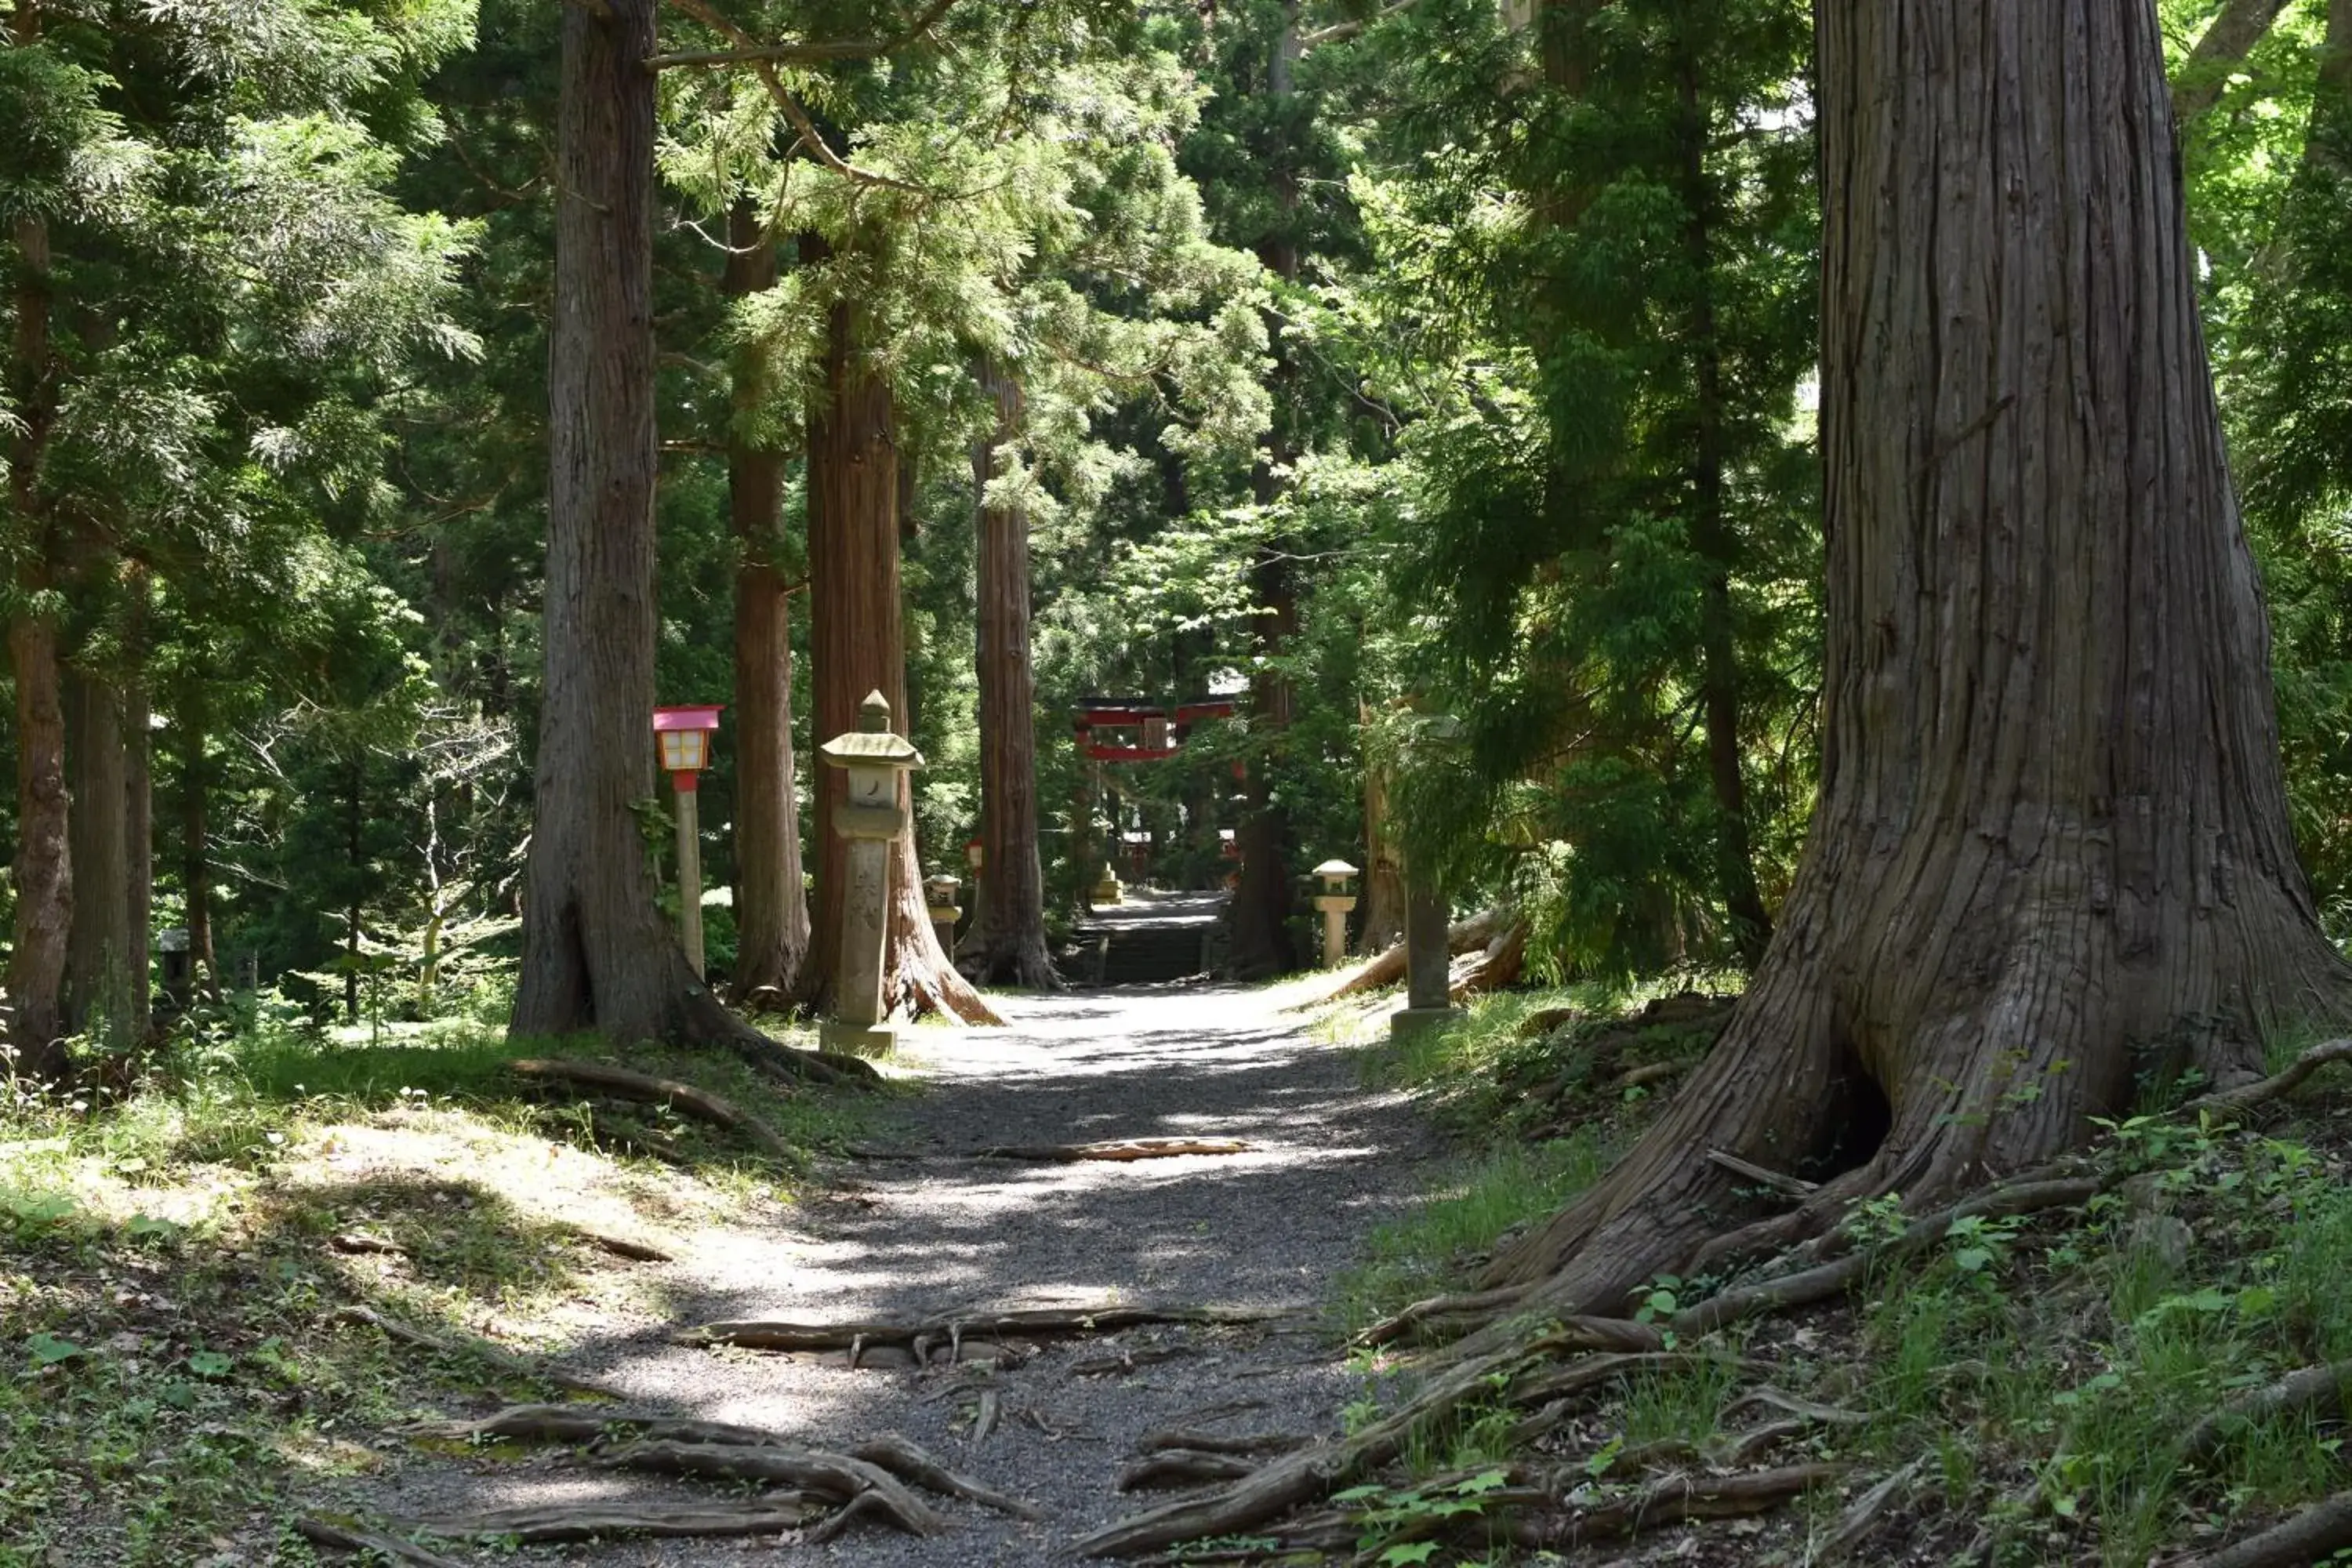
(349, 1535)
(2314, 1390)
(1118, 1149)
(922, 1339)
(771, 1515)
(2308, 1536)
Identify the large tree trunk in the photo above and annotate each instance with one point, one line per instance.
(98, 951)
(771, 903)
(2051, 843)
(857, 644)
(138, 825)
(43, 871)
(1266, 893)
(1009, 947)
(596, 952)
(1711, 536)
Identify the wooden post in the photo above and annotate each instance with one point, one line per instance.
(690, 876)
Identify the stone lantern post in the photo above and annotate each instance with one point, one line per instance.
(939, 903)
(870, 819)
(1336, 900)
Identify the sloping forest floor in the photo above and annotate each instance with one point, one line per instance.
(347, 1287)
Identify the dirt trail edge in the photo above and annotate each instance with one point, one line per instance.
(937, 1232)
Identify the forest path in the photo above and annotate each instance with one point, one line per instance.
(942, 1232)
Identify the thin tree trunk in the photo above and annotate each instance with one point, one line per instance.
(355, 863)
(139, 822)
(1384, 887)
(1010, 946)
(2052, 836)
(1751, 926)
(596, 952)
(857, 644)
(196, 839)
(771, 901)
(98, 986)
(2226, 41)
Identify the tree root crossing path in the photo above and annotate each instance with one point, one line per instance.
(992, 1345)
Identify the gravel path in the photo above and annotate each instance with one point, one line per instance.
(941, 1231)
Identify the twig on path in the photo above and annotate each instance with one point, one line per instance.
(1123, 1150)
(702, 1102)
(910, 1463)
(506, 1360)
(620, 1245)
(961, 1333)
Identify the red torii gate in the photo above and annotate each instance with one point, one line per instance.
(1162, 728)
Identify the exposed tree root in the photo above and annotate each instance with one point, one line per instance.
(2264, 1090)
(702, 1102)
(349, 1535)
(2308, 1536)
(910, 1464)
(1182, 1468)
(499, 1356)
(1247, 1443)
(771, 1515)
(1495, 968)
(1855, 1525)
(1440, 1317)
(954, 1338)
(592, 1427)
(2314, 1390)
(836, 1476)
(1673, 1501)
(1118, 1149)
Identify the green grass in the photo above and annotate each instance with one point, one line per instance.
(173, 1373)
(1485, 1195)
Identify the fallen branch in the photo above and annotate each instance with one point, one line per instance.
(621, 1246)
(771, 1515)
(2315, 1390)
(592, 1427)
(1649, 1073)
(644, 1087)
(1388, 968)
(1119, 1149)
(836, 1476)
(1772, 1398)
(499, 1356)
(1495, 969)
(2308, 1536)
(346, 1534)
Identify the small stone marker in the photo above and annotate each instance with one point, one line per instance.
(1429, 1003)
(870, 819)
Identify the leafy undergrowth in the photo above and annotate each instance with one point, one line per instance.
(180, 1364)
(2029, 1388)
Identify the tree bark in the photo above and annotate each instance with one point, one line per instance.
(771, 901)
(1010, 946)
(98, 951)
(857, 644)
(2227, 40)
(596, 952)
(139, 823)
(1711, 536)
(1384, 889)
(2051, 844)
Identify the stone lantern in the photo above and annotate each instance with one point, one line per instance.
(1338, 896)
(870, 819)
